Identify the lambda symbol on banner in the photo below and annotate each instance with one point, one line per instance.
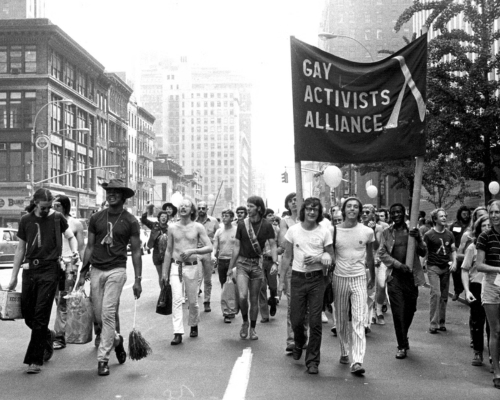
(393, 120)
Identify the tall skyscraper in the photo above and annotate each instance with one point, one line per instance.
(20, 9)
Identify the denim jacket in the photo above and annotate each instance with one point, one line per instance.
(385, 251)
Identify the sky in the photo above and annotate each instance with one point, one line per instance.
(252, 38)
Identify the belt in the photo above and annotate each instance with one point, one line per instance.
(268, 257)
(36, 261)
(307, 275)
(184, 262)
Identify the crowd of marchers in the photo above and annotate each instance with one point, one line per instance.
(350, 262)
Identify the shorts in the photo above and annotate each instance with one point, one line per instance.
(250, 268)
(490, 293)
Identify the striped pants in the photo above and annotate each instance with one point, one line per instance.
(351, 293)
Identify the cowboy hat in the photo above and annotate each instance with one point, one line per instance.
(118, 184)
(174, 208)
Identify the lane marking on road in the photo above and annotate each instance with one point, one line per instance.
(238, 382)
(130, 285)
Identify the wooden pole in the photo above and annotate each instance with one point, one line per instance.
(217, 198)
(298, 185)
(415, 205)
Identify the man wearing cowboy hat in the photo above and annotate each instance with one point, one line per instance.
(110, 230)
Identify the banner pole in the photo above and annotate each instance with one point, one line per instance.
(415, 200)
(415, 205)
(298, 185)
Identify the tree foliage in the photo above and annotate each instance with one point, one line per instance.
(463, 135)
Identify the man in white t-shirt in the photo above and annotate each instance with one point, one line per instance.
(310, 244)
(353, 254)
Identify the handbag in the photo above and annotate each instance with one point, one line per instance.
(164, 305)
(229, 299)
(79, 318)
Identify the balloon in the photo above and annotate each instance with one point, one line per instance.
(494, 187)
(372, 191)
(332, 176)
(176, 199)
(211, 198)
(342, 200)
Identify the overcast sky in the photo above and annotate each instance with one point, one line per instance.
(252, 38)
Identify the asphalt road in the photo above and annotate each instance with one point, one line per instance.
(202, 368)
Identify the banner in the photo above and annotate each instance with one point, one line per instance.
(350, 112)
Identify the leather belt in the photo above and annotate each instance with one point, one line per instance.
(36, 261)
(184, 262)
(307, 275)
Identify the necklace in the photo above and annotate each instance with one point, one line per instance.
(108, 239)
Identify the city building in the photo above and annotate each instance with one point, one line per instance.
(21, 9)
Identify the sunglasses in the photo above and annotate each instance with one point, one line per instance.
(240, 212)
(202, 208)
(366, 212)
(45, 208)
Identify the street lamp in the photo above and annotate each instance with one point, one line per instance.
(33, 133)
(328, 36)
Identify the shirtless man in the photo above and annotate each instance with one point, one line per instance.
(223, 250)
(181, 264)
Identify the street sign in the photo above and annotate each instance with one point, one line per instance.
(42, 142)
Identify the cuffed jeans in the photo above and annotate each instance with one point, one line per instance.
(439, 280)
(38, 292)
(307, 295)
(206, 267)
(190, 276)
(61, 312)
(106, 289)
(272, 282)
(403, 295)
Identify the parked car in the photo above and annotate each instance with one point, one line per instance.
(8, 246)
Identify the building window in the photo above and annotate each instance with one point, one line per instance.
(17, 109)
(69, 75)
(12, 165)
(56, 164)
(81, 174)
(69, 166)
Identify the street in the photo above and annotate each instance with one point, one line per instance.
(202, 368)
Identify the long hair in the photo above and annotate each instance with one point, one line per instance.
(345, 204)
(42, 195)
(311, 201)
(65, 203)
(459, 213)
(259, 203)
(477, 226)
(288, 198)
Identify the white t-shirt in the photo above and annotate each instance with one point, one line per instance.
(310, 243)
(350, 250)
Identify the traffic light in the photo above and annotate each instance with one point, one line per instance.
(284, 177)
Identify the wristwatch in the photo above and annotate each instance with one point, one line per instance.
(276, 263)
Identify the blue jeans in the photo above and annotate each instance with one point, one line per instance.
(307, 295)
(439, 279)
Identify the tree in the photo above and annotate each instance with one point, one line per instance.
(462, 100)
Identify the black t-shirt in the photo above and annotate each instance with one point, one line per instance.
(105, 256)
(439, 247)
(40, 236)
(263, 233)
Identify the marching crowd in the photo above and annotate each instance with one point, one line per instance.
(350, 262)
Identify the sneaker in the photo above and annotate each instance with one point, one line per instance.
(324, 318)
(477, 361)
(194, 331)
(289, 348)
(33, 369)
(334, 331)
(253, 334)
(102, 368)
(207, 306)
(357, 369)
(272, 308)
(384, 308)
(380, 319)
(244, 330)
(121, 355)
(227, 320)
(433, 330)
(344, 360)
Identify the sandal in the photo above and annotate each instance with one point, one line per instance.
(58, 346)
